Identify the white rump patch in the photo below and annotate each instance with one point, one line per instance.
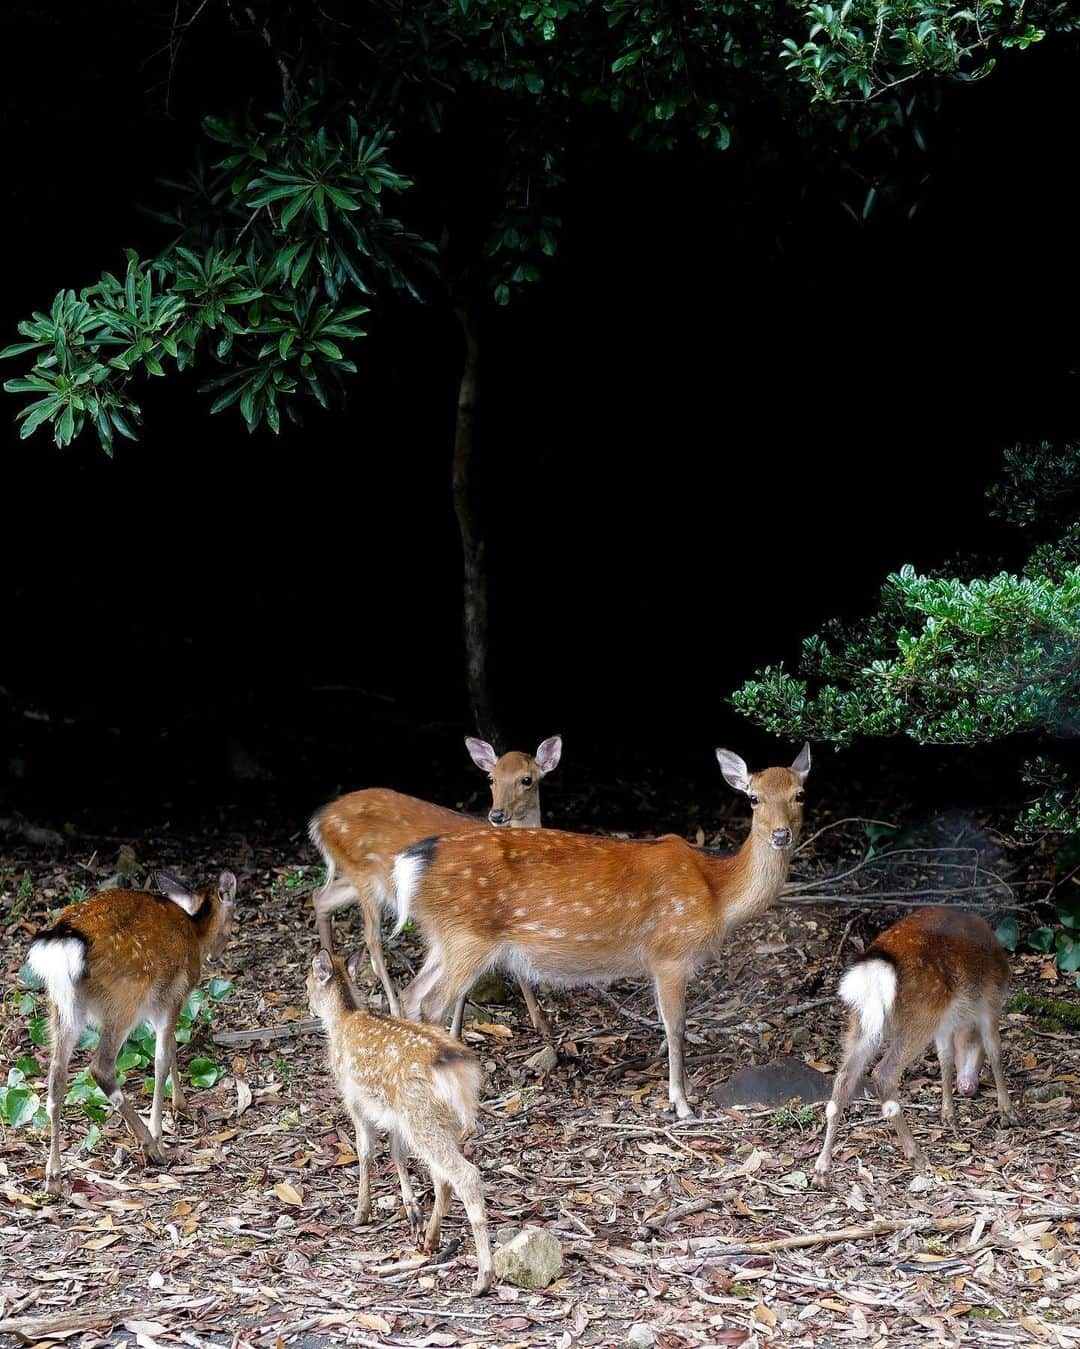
(407, 873)
(59, 965)
(869, 989)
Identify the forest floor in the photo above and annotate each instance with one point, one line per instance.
(246, 1237)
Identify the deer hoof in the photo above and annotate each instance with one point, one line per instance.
(483, 1282)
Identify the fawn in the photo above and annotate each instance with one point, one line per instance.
(937, 974)
(115, 960)
(418, 1083)
(575, 909)
(359, 834)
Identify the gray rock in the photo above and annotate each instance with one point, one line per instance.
(532, 1260)
(640, 1336)
(542, 1061)
(490, 988)
(774, 1084)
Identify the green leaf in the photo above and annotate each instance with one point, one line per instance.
(219, 989)
(1008, 933)
(1042, 939)
(204, 1072)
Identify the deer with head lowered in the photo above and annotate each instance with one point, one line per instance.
(115, 960)
(572, 909)
(938, 974)
(359, 834)
(419, 1084)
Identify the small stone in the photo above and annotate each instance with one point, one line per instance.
(640, 1336)
(543, 1061)
(505, 1235)
(532, 1260)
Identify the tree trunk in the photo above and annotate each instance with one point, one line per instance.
(475, 597)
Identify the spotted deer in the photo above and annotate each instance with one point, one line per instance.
(359, 834)
(417, 1083)
(572, 909)
(938, 974)
(113, 961)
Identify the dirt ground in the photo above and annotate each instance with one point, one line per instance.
(246, 1238)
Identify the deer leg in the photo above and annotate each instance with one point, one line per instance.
(179, 1100)
(858, 1053)
(336, 894)
(365, 1146)
(448, 1166)
(63, 1044)
(103, 1070)
(408, 1198)
(991, 1038)
(370, 903)
(164, 1057)
(670, 983)
(943, 1043)
(886, 1081)
(540, 1022)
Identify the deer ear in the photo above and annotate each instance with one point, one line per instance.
(353, 965)
(736, 774)
(548, 754)
(227, 888)
(174, 889)
(801, 766)
(482, 754)
(323, 967)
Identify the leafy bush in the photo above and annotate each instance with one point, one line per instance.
(965, 660)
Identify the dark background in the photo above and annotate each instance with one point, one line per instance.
(728, 414)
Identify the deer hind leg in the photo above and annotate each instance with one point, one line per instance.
(63, 1044)
(371, 901)
(336, 894)
(858, 1054)
(408, 1198)
(909, 1042)
(103, 1070)
(991, 1038)
(945, 1044)
(670, 982)
(449, 1168)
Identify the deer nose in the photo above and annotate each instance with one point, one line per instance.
(498, 816)
(781, 838)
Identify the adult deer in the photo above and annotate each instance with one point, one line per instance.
(575, 909)
(359, 834)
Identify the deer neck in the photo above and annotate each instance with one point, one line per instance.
(746, 884)
(530, 820)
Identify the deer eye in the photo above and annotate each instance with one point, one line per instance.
(753, 799)
(526, 782)
(800, 796)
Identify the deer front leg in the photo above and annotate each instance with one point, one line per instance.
(670, 983)
(540, 1022)
(365, 1146)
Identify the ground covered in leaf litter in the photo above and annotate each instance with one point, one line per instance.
(246, 1238)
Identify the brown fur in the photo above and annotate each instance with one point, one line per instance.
(417, 1083)
(576, 909)
(359, 835)
(951, 976)
(141, 956)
